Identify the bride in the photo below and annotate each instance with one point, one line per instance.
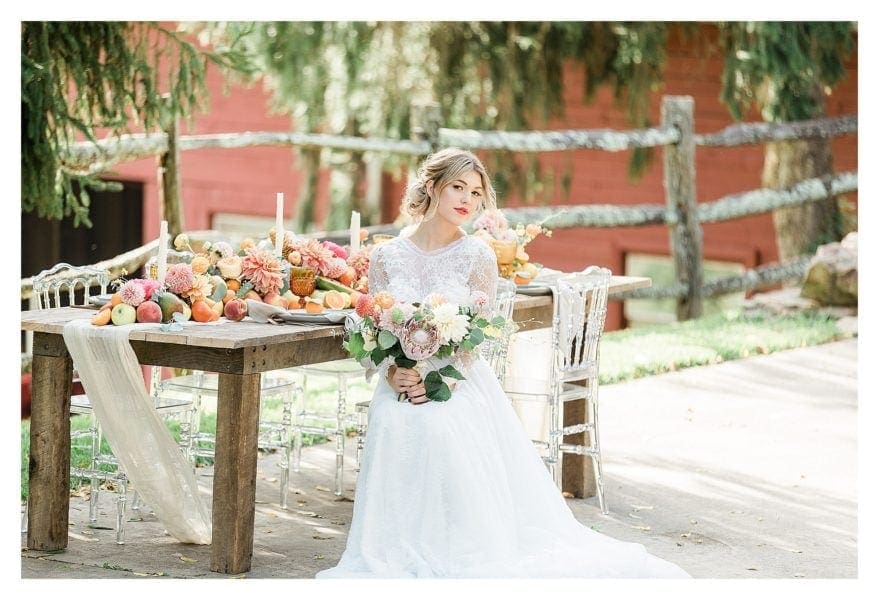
(456, 488)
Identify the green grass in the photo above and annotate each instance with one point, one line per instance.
(321, 396)
(654, 349)
(625, 355)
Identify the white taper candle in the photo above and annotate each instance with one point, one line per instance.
(162, 255)
(355, 231)
(279, 225)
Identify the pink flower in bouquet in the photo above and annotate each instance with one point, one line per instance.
(479, 298)
(179, 278)
(419, 340)
(263, 269)
(533, 230)
(365, 306)
(335, 249)
(132, 293)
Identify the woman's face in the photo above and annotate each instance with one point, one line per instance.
(460, 198)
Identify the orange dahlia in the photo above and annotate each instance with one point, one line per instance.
(263, 269)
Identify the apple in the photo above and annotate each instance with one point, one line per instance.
(123, 314)
(149, 312)
(235, 309)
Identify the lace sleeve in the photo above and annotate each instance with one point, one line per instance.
(377, 276)
(483, 275)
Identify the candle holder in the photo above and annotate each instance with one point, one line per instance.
(302, 281)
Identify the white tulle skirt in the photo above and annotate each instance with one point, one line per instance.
(456, 489)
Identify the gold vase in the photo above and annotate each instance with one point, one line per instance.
(505, 251)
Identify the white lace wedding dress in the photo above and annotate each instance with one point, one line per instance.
(456, 488)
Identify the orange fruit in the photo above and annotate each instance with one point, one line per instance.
(521, 278)
(202, 312)
(233, 284)
(347, 278)
(229, 295)
(384, 299)
(115, 299)
(334, 299)
(354, 296)
(313, 307)
(102, 317)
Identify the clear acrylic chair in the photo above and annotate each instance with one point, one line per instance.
(579, 313)
(273, 434)
(494, 351)
(68, 285)
(315, 422)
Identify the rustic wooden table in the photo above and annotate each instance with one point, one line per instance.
(239, 353)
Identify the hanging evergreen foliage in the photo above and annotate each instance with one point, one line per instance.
(81, 76)
(361, 78)
(782, 68)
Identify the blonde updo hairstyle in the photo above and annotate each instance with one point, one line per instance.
(443, 167)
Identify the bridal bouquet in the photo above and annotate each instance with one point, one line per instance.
(430, 336)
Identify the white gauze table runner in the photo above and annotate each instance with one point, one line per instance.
(147, 454)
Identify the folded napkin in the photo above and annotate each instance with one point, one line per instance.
(267, 313)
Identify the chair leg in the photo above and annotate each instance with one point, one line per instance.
(122, 485)
(299, 422)
(94, 481)
(286, 422)
(555, 427)
(596, 446)
(340, 433)
(361, 435)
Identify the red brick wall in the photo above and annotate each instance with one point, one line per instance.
(245, 180)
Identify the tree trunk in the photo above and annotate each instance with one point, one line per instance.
(799, 230)
(310, 157)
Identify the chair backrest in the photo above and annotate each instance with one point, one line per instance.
(580, 312)
(64, 280)
(494, 351)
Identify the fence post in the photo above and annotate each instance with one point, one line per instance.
(680, 196)
(168, 175)
(424, 123)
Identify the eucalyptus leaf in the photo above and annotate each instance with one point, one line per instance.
(386, 339)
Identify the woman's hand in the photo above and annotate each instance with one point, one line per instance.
(408, 381)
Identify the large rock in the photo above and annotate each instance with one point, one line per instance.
(832, 278)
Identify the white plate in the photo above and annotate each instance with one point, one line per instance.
(100, 300)
(327, 317)
(533, 289)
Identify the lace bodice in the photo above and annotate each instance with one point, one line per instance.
(455, 270)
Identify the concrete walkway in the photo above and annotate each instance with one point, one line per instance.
(746, 469)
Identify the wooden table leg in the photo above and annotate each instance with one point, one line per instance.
(49, 468)
(578, 477)
(235, 472)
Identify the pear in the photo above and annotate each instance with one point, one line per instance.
(170, 303)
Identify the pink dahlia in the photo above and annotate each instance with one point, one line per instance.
(315, 256)
(335, 249)
(336, 268)
(150, 286)
(179, 278)
(365, 306)
(360, 261)
(263, 269)
(132, 293)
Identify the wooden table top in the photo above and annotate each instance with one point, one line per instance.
(248, 333)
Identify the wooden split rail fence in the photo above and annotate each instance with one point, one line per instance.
(680, 211)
